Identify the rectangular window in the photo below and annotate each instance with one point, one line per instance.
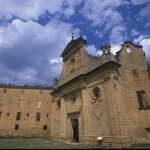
(41, 92)
(135, 74)
(10, 102)
(47, 115)
(22, 91)
(16, 127)
(20, 103)
(38, 117)
(18, 116)
(0, 114)
(2, 102)
(5, 90)
(39, 104)
(8, 114)
(45, 127)
(28, 114)
(143, 102)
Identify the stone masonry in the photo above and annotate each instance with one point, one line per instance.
(102, 96)
(28, 101)
(97, 99)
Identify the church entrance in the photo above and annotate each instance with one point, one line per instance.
(75, 136)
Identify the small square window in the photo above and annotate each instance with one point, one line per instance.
(16, 127)
(5, 91)
(10, 102)
(135, 74)
(22, 91)
(47, 115)
(41, 92)
(28, 114)
(45, 127)
(8, 114)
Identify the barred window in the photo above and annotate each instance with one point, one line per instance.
(38, 116)
(18, 116)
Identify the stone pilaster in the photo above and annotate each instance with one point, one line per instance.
(85, 114)
(63, 119)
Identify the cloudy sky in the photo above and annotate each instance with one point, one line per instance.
(33, 33)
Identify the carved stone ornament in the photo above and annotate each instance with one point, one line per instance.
(107, 77)
(98, 111)
(115, 76)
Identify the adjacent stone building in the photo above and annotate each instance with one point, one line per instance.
(97, 98)
(105, 97)
(25, 111)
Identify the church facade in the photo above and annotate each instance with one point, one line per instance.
(102, 98)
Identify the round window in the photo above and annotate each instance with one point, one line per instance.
(58, 104)
(73, 98)
(96, 93)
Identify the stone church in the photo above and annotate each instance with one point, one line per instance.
(97, 99)
(104, 98)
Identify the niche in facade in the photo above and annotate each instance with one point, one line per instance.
(58, 104)
(72, 64)
(2, 102)
(20, 103)
(39, 104)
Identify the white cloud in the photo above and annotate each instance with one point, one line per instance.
(28, 47)
(91, 49)
(145, 13)
(139, 2)
(134, 32)
(102, 12)
(32, 9)
(117, 35)
(146, 47)
(115, 48)
(141, 37)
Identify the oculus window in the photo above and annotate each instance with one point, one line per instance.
(96, 93)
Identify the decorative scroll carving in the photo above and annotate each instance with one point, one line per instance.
(115, 76)
(55, 100)
(98, 111)
(107, 77)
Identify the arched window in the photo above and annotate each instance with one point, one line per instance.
(128, 49)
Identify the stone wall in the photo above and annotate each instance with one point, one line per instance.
(25, 100)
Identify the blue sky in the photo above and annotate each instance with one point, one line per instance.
(33, 33)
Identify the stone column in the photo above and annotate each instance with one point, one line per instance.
(63, 119)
